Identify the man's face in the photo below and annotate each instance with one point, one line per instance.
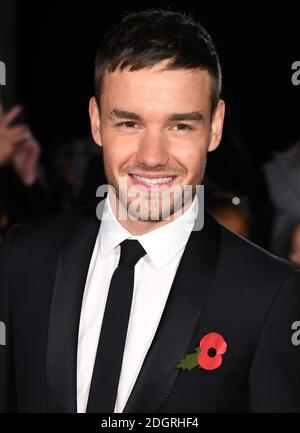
(155, 124)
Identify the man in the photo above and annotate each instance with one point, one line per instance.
(208, 326)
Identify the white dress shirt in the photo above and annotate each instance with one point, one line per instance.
(153, 278)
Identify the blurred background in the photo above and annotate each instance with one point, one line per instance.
(49, 163)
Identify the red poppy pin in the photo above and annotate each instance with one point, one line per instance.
(208, 355)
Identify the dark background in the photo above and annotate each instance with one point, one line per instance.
(57, 42)
(55, 45)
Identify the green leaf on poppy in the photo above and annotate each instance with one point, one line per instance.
(190, 360)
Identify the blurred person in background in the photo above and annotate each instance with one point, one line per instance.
(22, 192)
(77, 173)
(293, 250)
(282, 175)
(233, 216)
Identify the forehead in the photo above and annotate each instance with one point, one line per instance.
(156, 88)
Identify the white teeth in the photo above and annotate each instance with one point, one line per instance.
(152, 181)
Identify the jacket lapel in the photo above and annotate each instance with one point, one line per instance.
(71, 273)
(173, 338)
(180, 320)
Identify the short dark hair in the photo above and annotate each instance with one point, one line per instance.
(145, 38)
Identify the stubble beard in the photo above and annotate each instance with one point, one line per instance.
(158, 206)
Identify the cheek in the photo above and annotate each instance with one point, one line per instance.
(113, 147)
(192, 149)
(116, 159)
(192, 158)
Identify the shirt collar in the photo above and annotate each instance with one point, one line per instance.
(160, 244)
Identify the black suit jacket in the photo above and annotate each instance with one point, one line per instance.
(223, 284)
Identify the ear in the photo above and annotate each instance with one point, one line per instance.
(95, 120)
(217, 126)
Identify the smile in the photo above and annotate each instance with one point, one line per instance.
(152, 180)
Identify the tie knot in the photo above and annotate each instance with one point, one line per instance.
(131, 252)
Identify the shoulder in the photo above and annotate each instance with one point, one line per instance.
(246, 252)
(250, 284)
(44, 233)
(253, 267)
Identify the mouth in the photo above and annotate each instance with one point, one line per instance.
(152, 181)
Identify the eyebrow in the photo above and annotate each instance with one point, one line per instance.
(124, 115)
(192, 116)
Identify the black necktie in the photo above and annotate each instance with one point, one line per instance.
(108, 363)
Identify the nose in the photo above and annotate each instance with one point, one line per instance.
(152, 150)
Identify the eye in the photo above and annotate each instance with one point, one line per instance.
(128, 124)
(183, 127)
